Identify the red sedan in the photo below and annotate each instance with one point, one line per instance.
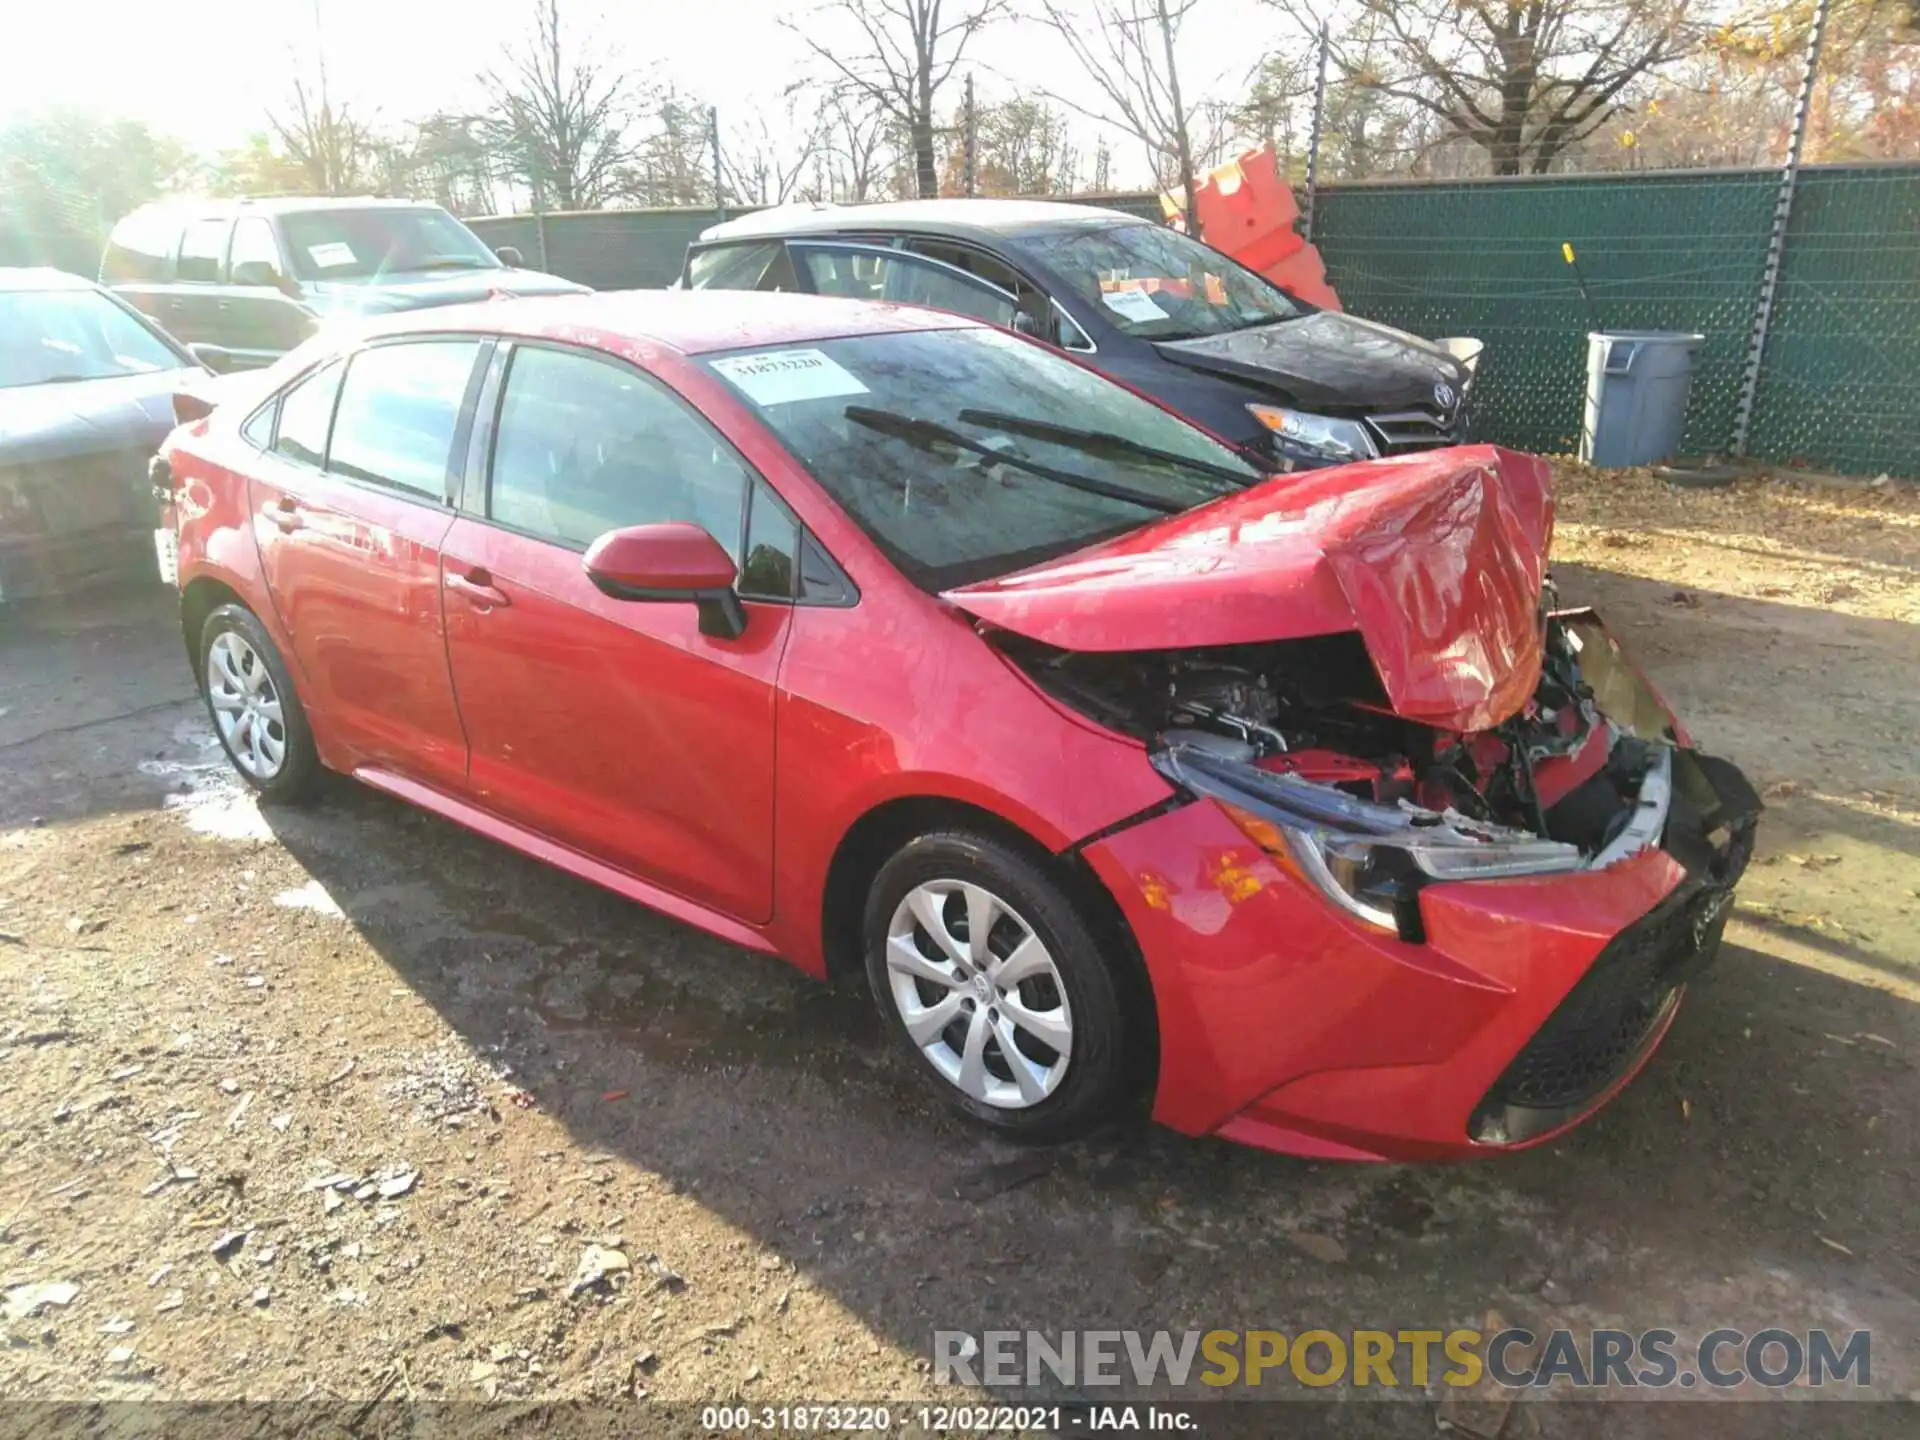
(900, 645)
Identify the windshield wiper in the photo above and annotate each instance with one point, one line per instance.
(917, 431)
(1093, 442)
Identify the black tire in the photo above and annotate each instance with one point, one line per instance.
(1096, 1084)
(298, 777)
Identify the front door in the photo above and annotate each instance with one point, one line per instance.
(259, 322)
(188, 307)
(614, 727)
(350, 515)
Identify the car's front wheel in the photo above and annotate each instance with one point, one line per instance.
(255, 711)
(987, 972)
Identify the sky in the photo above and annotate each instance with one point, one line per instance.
(208, 71)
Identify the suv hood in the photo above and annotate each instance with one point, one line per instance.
(1329, 360)
(420, 290)
(1436, 559)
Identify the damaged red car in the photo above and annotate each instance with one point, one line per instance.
(918, 653)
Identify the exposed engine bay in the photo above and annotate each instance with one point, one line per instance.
(1295, 739)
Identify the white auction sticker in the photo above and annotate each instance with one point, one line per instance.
(779, 377)
(1135, 305)
(331, 255)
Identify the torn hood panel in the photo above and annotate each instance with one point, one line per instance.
(1436, 559)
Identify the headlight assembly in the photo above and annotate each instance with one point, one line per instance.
(1367, 858)
(1320, 436)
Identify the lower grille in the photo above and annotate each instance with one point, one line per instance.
(1601, 1026)
(1403, 432)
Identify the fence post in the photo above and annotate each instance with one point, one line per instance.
(719, 185)
(1777, 237)
(540, 236)
(969, 142)
(1313, 140)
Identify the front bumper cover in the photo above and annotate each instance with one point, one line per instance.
(1612, 1019)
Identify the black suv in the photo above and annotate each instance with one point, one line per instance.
(1292, 385)
(254, 278)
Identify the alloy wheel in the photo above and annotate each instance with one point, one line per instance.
(246, 706)
(979, 994)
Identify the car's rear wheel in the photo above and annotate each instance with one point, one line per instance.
(986, 971)
(255, 710)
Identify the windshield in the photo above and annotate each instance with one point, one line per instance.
(1158, 284)
(366, 244)
(970, 453)
(54, 336)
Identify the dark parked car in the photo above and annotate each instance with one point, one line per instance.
(86, 397)
(256, 277)
(1291, 385)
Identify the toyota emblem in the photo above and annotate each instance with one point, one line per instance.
(1443, 396)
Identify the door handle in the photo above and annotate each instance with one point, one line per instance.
(478, 589)
(285, 513)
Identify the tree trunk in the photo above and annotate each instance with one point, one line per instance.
(926, 170)
(1183, 144)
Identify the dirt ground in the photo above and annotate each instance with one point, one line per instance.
(335, 1103)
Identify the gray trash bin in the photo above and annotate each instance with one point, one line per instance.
(1636, 395)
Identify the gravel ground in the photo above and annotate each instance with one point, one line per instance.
(347, 1102)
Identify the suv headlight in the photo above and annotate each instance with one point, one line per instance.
(1369, 859)
(1321, 436)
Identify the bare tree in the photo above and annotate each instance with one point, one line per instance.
(1525, 80)
(762, 161)
(673, 164)
(1127, 48)
(856, 151)
(560, 115)
(908, 50)
(333, 152)
(1022, 147)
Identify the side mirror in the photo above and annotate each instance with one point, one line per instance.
(510, 255)
(256, 272)
(671, 561)
(216, 358)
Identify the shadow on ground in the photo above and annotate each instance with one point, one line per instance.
(1762, 1171)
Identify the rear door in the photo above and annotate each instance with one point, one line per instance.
(350, 509)
(877, 272)
(616, 727)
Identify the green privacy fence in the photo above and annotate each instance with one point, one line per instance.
(1675, 251)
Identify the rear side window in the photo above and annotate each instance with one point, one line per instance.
(398, 413)
(202, 249)
(760, 265)
(140, 248)
(585, 446)
(305, 413)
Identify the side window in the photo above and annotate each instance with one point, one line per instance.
(202, 249)
(258, 431)
(398, 412)
(773, 540)
(585, 446)
(305, 413)
(902, 278)
(760, 265)
(253, 245)
(1044, 318)
(139, 248)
